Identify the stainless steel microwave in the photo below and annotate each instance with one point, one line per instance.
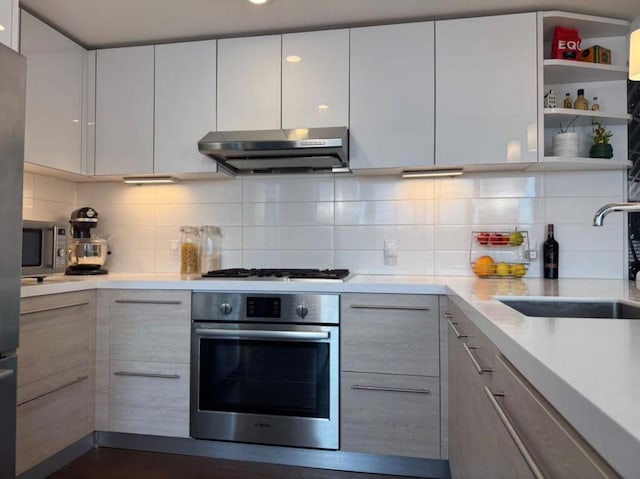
(44, 248)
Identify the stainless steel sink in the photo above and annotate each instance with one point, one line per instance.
(572, 308)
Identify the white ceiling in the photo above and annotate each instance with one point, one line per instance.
(99, 23)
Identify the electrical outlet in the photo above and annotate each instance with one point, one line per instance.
(390, 252)
(173, 247)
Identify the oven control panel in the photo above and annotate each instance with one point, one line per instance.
(262, 307)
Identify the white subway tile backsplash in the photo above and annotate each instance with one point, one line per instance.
(352, 188)
(403, 212)
(342, 221)
(288, 237)
(288, 214)
(592, 264)
(507, 211)
(201, 191)
(219, 214)
(372, 262)
(579, 210)
(408, 237)
(582, 184)
(268, 189)
(288, 259)
(113, 193)
(28, 185)
(495, 185)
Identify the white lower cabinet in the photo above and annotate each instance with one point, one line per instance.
(390, 375)
(146, 361)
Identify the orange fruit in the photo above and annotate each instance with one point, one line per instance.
(484, 266)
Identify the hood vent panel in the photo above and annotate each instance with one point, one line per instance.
(303, 150)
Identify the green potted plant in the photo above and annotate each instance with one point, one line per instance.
(601, 147)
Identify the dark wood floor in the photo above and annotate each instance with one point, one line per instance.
(107, 463)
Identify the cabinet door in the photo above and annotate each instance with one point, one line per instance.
(315, 89)
(7, 9)
(556, 447)
(185, 106)
(479, 445)
(150, 326)
(390, 414)
(249, 83)
(390, 333)
(56, 342)
(149, 398)
(48, 424)
(486, 90)
(53, 128)
(124, 111)
(392, 109)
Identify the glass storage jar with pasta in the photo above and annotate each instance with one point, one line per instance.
(189, 251)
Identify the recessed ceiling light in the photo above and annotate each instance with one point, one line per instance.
(323, 107)
(258, 2)
(1, 27)
(293, 59)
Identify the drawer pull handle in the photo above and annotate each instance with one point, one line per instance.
(455, 330)
(6, 374)
(148, 301)
(475, 362)
(395, 390)
(53, 308)
(515, 437)
(147, 375)
(390, 307)
(71, 383)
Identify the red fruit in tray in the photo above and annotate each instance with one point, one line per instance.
(483, 238)
(498, 239)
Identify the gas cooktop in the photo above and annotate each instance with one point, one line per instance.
(293, 274)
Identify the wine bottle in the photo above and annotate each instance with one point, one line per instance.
(550, 255)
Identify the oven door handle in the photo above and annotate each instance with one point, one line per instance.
(258, 334)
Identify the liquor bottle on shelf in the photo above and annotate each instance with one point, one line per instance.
(568, 101)
(581, 102)
(595, 106)
(550, 255)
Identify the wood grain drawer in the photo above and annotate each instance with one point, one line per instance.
(148, 325)
(51, 422)
(557, 449)
(390, 333)
(149, 398)
(390, 414)
(479, 349)
(56, 341)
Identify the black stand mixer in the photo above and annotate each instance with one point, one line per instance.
(86, 255)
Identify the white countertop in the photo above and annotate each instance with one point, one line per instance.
(589, 369)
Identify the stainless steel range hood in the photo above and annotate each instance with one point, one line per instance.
(300, 150)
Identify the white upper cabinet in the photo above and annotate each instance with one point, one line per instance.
(124, 111)
(486, 90)
(392, 111)
(249, 83)
(54, 107)
(9, 23)
(185, 106)
(315, 79)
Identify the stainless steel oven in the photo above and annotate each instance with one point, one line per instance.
(265, 368)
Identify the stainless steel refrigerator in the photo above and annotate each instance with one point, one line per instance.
(12, 101)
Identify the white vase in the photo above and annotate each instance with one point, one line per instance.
(566, 144)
